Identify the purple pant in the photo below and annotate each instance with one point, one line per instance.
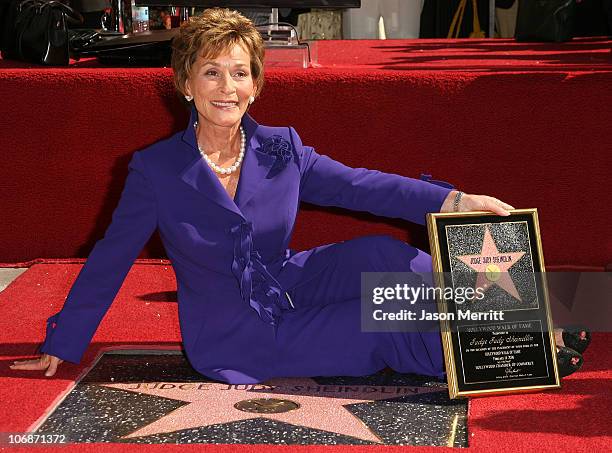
(323, 337)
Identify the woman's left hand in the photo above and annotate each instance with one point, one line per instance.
(470, 202)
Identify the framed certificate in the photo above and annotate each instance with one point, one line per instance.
(496, 328)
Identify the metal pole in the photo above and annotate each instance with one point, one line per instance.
(492, 18)
(117, 16)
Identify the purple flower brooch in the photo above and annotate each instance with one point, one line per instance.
(280, 149)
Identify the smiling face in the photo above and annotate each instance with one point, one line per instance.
(221, 86)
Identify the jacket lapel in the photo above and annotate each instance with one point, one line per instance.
(202, 178)
(256, 164)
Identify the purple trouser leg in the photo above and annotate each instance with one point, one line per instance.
(323, 337)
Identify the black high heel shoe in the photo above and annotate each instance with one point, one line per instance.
(568, 361)
(576, 337)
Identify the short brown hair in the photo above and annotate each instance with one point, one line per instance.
(210, 34)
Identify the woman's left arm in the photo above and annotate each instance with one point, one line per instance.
(326, 182)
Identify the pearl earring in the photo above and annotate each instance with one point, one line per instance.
(251, 99)
(188, 98)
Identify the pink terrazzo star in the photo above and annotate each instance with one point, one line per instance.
(492, 266)
(320, 406)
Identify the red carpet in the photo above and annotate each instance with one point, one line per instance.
(576, 418)
(528, 123)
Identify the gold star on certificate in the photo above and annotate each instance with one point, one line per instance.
(492, 266)
(301, 402)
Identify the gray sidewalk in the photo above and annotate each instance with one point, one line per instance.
(8, 274)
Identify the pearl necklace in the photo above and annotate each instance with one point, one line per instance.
(235, 165)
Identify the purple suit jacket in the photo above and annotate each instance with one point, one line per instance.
(230, 257)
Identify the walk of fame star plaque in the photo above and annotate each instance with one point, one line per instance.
(154, 396)
(500, 339)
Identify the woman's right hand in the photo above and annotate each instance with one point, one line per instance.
(44, 362)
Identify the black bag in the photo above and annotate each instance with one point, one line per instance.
(35, 31)
(545, 20)
(149, 48)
